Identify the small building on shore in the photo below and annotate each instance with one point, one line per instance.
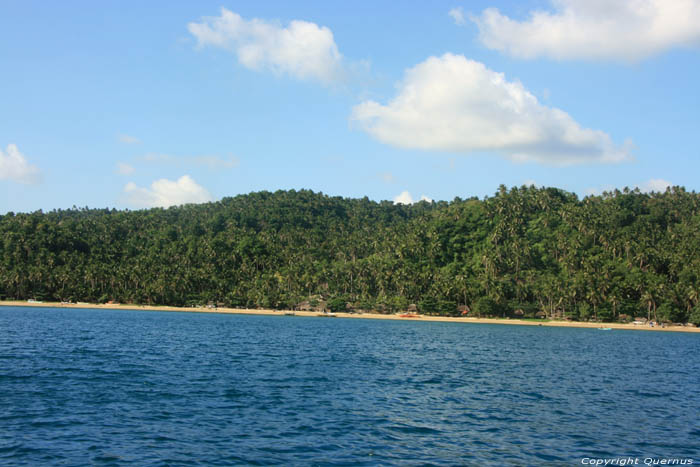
(311, 305)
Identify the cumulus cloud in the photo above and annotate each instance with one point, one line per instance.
(627, 30)
(165, 193)
(126, 139)
(453, 104)
(302, 49)
(405, 198)
(457, 15)
(655, 184)
(124, 169)
(14, 166)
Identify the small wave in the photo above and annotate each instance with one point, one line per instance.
(414, 429)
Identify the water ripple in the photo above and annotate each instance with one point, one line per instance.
(146, 388)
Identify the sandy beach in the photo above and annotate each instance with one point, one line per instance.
(520, 322)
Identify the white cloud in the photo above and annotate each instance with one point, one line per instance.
(453, 104)
(597, 191)
(626, 30)
(388, 177)
(126, 139)
(164, 193)
(214, 162)
(405, 198)
(160, 158)
(303, 50)
(124, 169)
(209, 162)
(457, 15)
(655, 184)
(14, 166)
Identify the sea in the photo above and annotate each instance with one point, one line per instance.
(132, 387)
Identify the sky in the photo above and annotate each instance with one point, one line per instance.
(130, 104)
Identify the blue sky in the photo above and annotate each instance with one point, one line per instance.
(137, 104)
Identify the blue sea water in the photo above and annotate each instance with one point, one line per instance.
(91, 387)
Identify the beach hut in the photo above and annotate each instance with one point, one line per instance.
(314, 304)
(519, 313)
(463, 310)
(541, 315)
(304, 306)
(412, 308)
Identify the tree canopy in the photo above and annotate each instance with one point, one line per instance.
(536, 250)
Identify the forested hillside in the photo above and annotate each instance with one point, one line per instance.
(523, 251)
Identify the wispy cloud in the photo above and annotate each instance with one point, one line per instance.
(126, 139)
(626, 30)
(301, 49)
(165, 193)
(214, 162)
(457, 15)
(209, 162)
(454, 104)
(14, 166)
(387, 177)
(597, 191)
(124, 169)
(652, 185)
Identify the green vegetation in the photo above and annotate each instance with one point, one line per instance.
(524, 252)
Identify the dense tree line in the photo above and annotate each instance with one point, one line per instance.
(523, 251)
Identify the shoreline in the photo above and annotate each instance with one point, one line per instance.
(237, 311)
